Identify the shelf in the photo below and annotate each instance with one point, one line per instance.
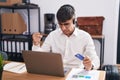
(30, 6)
(13, 44)
(16, 37)
(97, 36)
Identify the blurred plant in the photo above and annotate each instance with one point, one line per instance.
(1, 62)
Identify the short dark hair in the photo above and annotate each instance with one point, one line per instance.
(65, 13)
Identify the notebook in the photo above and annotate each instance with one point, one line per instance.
(44, 63)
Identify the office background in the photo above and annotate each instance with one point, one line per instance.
(107, 8)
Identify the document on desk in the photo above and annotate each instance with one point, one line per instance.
(81, 74)
(16, 67)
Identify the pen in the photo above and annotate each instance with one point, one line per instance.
(21, 67)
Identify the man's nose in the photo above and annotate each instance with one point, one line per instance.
(63, 27)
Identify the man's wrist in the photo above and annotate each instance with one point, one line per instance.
(92, 67)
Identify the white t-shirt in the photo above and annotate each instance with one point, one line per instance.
(79, 42)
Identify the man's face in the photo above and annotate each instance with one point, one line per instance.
(67, 27)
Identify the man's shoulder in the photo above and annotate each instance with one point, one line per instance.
(82, 32)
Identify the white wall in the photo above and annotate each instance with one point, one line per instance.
(106, 8)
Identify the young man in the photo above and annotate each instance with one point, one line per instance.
(68, 41)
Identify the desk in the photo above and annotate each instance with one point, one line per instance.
(28, 76)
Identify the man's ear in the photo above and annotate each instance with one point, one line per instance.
(73, 21)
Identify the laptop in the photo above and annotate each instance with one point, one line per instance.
(44, 63)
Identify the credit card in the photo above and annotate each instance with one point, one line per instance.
(79, 56)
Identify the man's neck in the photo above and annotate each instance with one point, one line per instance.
(71, 33)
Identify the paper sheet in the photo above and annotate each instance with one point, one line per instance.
(15, 67)
(81, 74)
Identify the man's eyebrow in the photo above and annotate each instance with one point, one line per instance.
(64, 23)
